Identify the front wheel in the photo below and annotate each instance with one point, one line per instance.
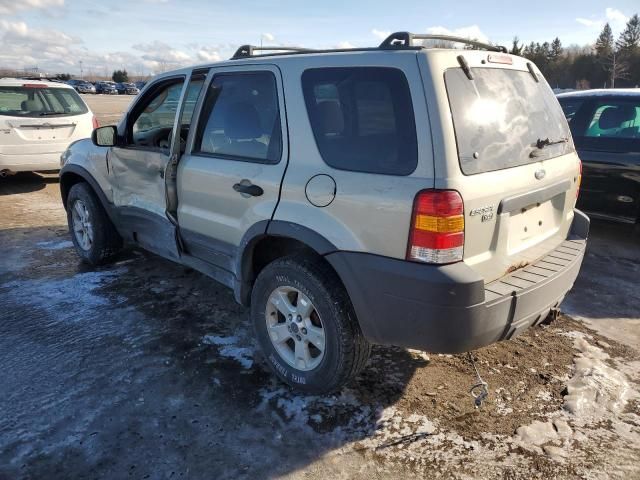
(93, 234)
(305, 325)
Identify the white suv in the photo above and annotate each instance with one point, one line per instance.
(38, 121)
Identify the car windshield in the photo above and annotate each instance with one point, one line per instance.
(504, 118)
(25, 101)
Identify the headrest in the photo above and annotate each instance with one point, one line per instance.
(331, 118)
(31, 105)
(242, 122)
(614, 117)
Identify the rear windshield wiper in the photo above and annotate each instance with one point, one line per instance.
(541, 143)
(545, 142)
(44, 114)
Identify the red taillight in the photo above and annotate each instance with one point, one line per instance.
(437, 227)
(33, 85)
(95, 123)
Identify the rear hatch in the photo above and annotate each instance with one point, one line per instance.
(507, 149)
(37, 114)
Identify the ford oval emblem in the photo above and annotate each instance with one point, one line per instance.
(540, 174)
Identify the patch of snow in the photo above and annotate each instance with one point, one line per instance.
(64, 298)
(217, 340)
(229, 349)
(55, 245)
(595, 388)
(597, 393)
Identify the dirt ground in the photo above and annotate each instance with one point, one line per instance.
(108, 108)
(145, 369)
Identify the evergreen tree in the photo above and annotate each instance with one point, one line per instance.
(556, 50)
(629, 41)
(120, 76)
(604, 43)
(516, 48)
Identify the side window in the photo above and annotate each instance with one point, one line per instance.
(362, 119)
(154, 122)
(193, 90)
(615, 119)
(240, 118)
(570, 107)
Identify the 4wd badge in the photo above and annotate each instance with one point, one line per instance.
(486, 213)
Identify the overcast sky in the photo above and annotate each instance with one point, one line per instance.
(146, 36)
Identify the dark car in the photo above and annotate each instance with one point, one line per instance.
(127, 88)
(140, 85)
(107, 88)
(605, 125)
(82, 86)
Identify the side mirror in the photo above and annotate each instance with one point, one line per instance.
(105, 136)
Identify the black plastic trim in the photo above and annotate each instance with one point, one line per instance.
(447, 309)
(71, 168)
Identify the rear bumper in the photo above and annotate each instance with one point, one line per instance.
(30, 162)
(449, 309)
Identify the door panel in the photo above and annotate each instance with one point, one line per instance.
(137, 167)
(610, 184)
(606, 130)
(240, 144)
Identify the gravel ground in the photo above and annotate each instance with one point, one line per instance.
(145, 369)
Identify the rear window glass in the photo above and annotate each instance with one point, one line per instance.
(503, 117)
(608, 124)
(362, 119)
(40, 102)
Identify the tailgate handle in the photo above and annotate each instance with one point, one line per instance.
(517, 202)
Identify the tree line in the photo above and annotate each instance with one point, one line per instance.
(608, 63)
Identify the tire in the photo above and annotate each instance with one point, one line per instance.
(105, 242)
(345, 349)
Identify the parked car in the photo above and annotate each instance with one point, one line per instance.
(139, 85)
(606, 129)
(397, 195)
(106, 88)
(127, 89)
(38, 121)
(82, 86)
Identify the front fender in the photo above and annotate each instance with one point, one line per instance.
(90, 162)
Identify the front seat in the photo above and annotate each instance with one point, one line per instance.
(242, 129)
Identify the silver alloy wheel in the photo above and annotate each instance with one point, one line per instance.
(295, 328)
(82, 226)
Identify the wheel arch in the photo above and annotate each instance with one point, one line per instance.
(73, 174)
(267, 241)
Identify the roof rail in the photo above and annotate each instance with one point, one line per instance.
(246, 51)
(400, 40)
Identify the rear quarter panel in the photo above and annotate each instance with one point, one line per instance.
(370, 212)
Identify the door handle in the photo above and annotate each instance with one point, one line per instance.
(247, 188)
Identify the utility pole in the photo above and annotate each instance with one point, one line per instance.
(81, 72)
(613, 70)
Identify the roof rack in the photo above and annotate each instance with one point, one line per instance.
(400, 40)
(246, 51)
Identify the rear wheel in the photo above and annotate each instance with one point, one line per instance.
(305, 325)
(93, 234)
